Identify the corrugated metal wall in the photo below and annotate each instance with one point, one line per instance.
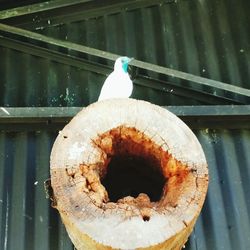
(28, 222)
(26, 219)
(200, 37)
(224, 222)
(39, 81)
(7, 4)
(206, 38)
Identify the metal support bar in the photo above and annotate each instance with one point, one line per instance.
(192, 78)
(6, 31)
(38, 7)
(182, 91)
(54, 56)
(225, 116)
(59, 11)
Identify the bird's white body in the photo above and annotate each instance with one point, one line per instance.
(118, 84)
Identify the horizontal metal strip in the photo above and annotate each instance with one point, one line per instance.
(221, 116)
(193, 78)
(53, 55)
(38, 7)
(110, 56)
(65, 10)
(185, 91)
(50, 112)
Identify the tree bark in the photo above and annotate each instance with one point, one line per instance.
(127, 174)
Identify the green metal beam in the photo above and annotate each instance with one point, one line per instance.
(9, 31)
(183, 91)
(192, 78)
(21, 113)
(218, 116)
(38, 7)
(54, 56)
(61, 11)
(35, 37)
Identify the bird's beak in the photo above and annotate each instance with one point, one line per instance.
(130, 59)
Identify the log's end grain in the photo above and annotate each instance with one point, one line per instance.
(127, 174)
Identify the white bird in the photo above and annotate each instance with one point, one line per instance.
(118, 84)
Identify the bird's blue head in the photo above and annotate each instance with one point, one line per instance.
(122, 62)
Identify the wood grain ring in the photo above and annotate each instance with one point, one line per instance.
(127, 129)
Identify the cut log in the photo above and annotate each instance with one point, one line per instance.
(127, 174)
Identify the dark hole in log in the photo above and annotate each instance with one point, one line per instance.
(146, 218)
(132, 175)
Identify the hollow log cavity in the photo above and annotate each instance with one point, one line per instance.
(127, 174)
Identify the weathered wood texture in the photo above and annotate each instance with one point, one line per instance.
(104, 206)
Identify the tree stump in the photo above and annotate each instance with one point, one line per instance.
(127, 174)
